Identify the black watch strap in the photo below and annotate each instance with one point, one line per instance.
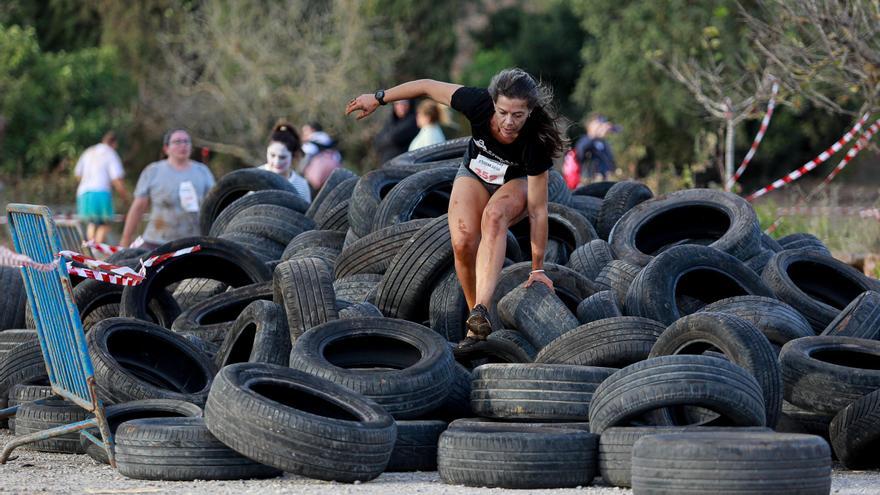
(380, 96)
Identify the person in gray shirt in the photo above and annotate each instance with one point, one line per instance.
(173, 189)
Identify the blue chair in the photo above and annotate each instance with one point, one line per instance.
(59, 328)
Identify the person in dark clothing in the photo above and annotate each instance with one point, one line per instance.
(503, 178)
(398, 131)
(592, 151)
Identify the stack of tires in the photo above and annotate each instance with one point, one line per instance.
(318, 339)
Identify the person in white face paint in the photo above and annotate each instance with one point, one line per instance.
(503, 177)
(284, 148)
(173, 189)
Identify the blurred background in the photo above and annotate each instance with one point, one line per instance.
(227, 70)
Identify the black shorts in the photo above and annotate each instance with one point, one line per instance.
(464, 171)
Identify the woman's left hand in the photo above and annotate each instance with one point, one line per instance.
(366, 103)
(539, 277)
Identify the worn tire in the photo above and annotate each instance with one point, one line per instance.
(368, 193)
(136, 360)
(217, 259)
(616, 445)
(599, 306)
(778, 321)
(259, 335)
(180, 449)
(33, 417)
(718, 219)
(12, 312)
(855, 432)
(733, 462)
(668, 381)
(447, 308)
(405, 367)
(589, 259)
(619, 199)
(816, 285)
(299, 423)
(825, 373)
(698, 272)
(416, 446)
(373, 252)
(423, 194)
(213, 318)
(304, 288)
(537, 313)
(138, 409)
(860, 318)
(523, 457)
(549, 392)
(569, 286)
(234, 185)
(406, 288)
(282, 199)
(612, 342)
(735, 338)
(336, 178)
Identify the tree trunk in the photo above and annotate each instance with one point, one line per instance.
(728, 154)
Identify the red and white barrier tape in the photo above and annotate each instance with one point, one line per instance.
(101, 247)
(9, 257)
(861, 143)
(765, 122)
(98, 270)
(804, 169)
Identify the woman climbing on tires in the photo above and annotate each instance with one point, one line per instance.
(502, 180)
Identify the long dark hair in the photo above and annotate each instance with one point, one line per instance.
(544, 120)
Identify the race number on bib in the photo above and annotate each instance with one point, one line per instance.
(189, 200)
(489, 170)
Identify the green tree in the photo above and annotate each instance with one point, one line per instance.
(660, 119)
(428, 31)
(544, 39)
(55, 104)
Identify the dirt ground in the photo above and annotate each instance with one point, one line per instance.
(37, 472)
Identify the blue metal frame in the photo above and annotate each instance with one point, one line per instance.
(59, 328)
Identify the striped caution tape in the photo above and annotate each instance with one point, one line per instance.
(765, 122)
(9, 257)
(101, 247)
(815, 162)
(95, 269)
(861, 143)
(859, 146)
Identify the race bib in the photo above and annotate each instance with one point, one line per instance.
(487, 169)
(189, 200)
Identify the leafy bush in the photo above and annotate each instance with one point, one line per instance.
(53, 105)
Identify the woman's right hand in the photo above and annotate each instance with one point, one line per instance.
(366, 103)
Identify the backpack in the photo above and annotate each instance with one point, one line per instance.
(571, 169)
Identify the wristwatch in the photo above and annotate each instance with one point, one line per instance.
(380, 96)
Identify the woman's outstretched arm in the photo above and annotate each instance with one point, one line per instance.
(439, 91)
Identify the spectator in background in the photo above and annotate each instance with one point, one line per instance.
(99, 168)
(429, 116)
(285, 147)
(321, 156)
(399, 130)
(592, 151)
(173, 189)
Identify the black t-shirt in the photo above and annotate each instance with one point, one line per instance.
(485, 155)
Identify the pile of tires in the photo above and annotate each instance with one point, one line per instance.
(317, 338)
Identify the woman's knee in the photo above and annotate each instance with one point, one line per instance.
(495, 220)
(464, 245)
